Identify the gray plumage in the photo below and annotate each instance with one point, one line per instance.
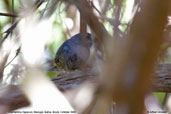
(73, 53)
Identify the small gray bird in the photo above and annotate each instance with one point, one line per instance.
(74, 53)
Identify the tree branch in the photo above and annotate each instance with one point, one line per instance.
(15, 99)
(161, 80)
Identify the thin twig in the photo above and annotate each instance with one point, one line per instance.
(92, 4)
(12, 26)
(9, 15)
(107, 19)
(18, 51)
(165, 99)
(3, 39)
(37, 4)
(12, 18)
(8, 32)
(44, 9)
(2, 66)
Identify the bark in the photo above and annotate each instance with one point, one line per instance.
(14, 97)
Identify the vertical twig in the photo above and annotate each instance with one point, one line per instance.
(117, 14)
(45, 9)
(12, 18)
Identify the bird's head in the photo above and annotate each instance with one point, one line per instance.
(86, 39)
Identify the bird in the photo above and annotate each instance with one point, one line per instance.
(74, 52)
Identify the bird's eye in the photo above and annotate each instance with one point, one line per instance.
(88, 35)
